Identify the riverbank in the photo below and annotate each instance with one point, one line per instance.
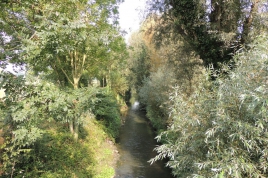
(104, 148)
(58, 155)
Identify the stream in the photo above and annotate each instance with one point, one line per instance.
(135, 145)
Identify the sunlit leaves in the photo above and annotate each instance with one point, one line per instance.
(214, 28)
(221, 131)
(2, 93)
(60, 42)
(26, 136)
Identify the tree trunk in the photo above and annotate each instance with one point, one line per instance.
(75, 119)
(248, 21)
(71, 126)
(76, 82)
(76, 129)
(77, 63)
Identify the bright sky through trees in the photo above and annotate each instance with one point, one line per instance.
(131, 12)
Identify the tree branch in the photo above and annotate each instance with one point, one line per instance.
(65, 72)
(67, 76)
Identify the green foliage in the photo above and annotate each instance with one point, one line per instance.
(29, 103)
(221, 129)
(73, 43)
(37, 115)
(56, 154)
(139, 62)
(119, 83)
(107, 111)
(214, 29)
(68, 39)
(22, 120)
(154, 95)
(61, 42)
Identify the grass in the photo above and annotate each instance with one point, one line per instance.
(58, 155)
(104, 149)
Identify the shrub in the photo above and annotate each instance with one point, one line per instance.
(154, 95)
(222, 131)
(32, 107)
(107, 111)
(58, 155)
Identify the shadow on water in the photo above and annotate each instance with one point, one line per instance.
(136, 143)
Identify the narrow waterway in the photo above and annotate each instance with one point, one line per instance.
(136, 146)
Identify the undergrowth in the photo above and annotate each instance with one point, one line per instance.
(56, 154)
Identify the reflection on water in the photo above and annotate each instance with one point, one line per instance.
(135, 106)
(135, 147)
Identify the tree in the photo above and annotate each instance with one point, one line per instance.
(60, 43)
(178, 55)
(13, 21)
(68, 38)
(168, 65)
(139, 61)
(154, 94)
(214, 29)
(30, 105)
(221, 129)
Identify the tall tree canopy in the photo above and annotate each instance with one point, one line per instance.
(68, 38)
(213, 28)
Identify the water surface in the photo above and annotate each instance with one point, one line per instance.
(136, 146)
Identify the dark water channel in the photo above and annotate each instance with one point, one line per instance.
(136, 146)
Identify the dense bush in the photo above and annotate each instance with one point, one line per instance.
(154, 95)
(107, 111)
(221, 129)
(31, 107)
(56, 154)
